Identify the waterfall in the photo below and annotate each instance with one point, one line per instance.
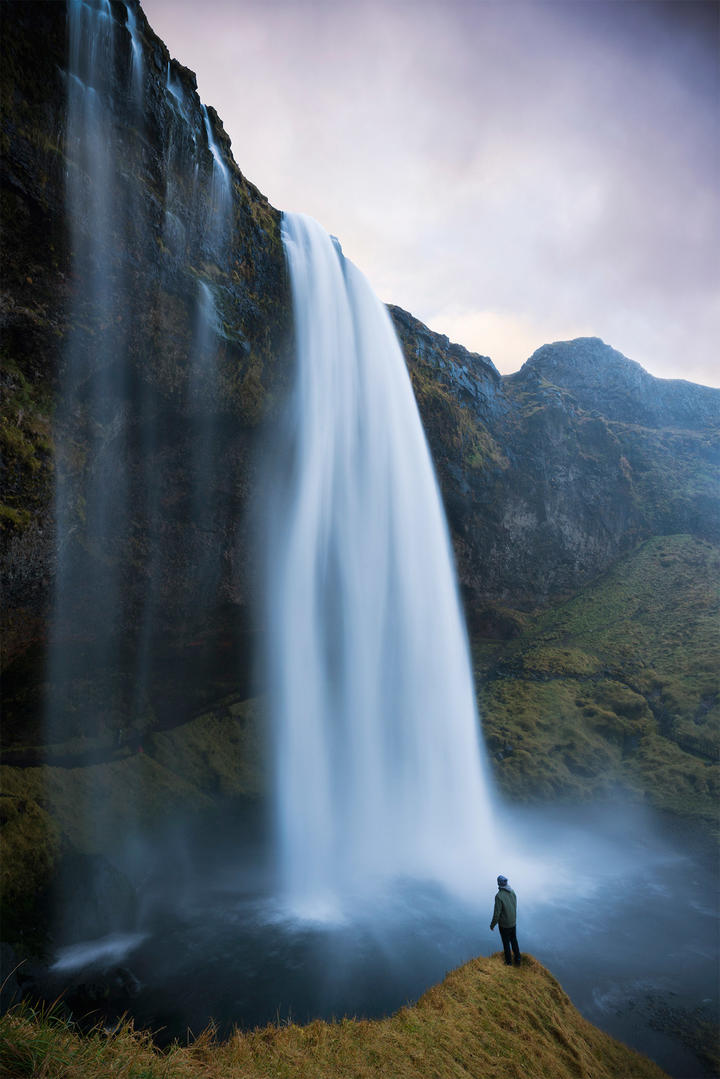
(116, 432)
(90, 493)
(379, 769)
(175, 89)
(220, 196)
(137, 70)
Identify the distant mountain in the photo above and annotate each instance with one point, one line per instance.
(602, 379)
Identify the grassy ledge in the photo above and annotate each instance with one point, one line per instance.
(483, 1020)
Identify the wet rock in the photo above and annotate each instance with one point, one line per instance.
(9, 983)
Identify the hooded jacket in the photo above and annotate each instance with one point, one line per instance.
(505, 912)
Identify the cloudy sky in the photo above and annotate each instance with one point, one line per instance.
(510, 171)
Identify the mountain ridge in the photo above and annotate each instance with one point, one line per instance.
(587, 365)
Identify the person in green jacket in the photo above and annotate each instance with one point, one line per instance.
(505, 916)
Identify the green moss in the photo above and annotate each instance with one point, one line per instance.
(221, 751)
(25, 445)
(563, 661)
(14, 519)
(30, 846)
(456, 429)
(47, 809)
(616, 686)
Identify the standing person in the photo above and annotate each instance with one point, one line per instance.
(505, 916)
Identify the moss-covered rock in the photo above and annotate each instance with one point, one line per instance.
(617, 687)
(550, 475)
(83, 797)
(52, 327)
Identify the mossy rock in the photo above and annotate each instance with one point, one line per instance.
(617, 687)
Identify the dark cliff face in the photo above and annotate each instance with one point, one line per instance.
(153, 258)
(553, 473)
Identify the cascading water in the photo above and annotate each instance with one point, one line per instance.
(108, 626)
(90, 499)
(221, 194)
(215, 227)
(138, 67)
(379, 767)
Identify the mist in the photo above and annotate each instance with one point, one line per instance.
(615, 902)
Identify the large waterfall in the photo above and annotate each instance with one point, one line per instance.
(379, 766)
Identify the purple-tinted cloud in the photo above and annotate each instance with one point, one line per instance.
(510, 172)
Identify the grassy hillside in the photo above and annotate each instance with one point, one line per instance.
(483, 1020)
(195, 768)
(619, 685)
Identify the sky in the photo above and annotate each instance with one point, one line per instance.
(512, 172)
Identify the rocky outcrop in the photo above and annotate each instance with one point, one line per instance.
(550, 475)
(155, 257)
(602, 379)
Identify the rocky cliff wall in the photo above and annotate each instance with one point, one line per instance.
(154, 259)
(552, 474)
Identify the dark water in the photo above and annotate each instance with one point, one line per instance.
(623, 915)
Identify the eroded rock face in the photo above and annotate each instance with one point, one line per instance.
(601, 378)
(551, 474)
(153, 257)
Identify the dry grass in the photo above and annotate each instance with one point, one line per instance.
(484, 1020)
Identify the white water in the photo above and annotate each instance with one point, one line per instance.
(219, 219)
(175, 89)
(380, 771)
(138, 68)
(110, 949)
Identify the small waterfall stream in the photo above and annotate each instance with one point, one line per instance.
(379, 768)
(106, 630)
(92, 484)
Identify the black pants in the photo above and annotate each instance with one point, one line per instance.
(509, 939)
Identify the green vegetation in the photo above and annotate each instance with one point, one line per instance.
(25, 446)
(196, 767)
(453, 427)
(482, 1020)
(615, 687)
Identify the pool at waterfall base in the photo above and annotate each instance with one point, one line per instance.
(621, 913)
